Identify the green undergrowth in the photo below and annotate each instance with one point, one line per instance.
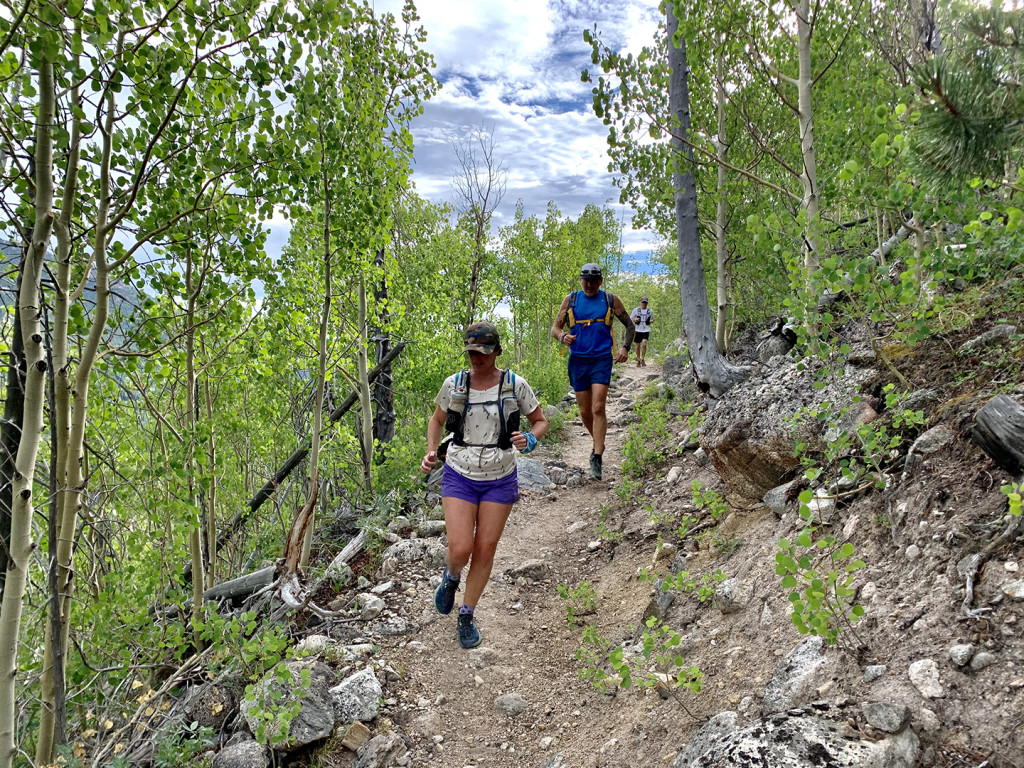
(656, 660)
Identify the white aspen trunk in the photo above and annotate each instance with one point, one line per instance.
(195, 533)
(211, 517)
(21, 545)
(722, 213)
(919, 271)
(52, 677)
(878, 234)
(88, 354)
(365, 406)
(809, 174)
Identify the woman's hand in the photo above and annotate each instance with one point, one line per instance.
(524, 442)
(427, 465)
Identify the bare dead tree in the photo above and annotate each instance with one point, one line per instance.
(478, 186)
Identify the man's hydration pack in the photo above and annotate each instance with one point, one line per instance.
(508, 410)
(607, 319)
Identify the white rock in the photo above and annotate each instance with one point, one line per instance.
(913, 552)
(821, 508)
(873, 672)
(961, 654)
(929, 721)
(357, 697)
(312, 645)
(790, 685)
(673, 475)
(665, 551)
(868, 592)
(924, 674)
(546, 742)
(370, 606)
(579, 525)
(1014, 590)
(593, 546)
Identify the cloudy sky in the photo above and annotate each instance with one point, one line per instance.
(514, 66)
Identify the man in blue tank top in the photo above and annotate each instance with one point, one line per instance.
(591, 344)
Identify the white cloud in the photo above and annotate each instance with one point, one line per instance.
(514, 65)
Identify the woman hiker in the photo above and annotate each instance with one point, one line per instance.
(481, 407)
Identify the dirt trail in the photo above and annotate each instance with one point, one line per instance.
(528, 648)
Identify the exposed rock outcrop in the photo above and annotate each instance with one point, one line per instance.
(794, 740)
(748, 436)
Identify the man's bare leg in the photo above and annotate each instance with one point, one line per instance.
(598, 396)
(583, 402)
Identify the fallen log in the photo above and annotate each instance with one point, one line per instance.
(243, 586)
(999, 430)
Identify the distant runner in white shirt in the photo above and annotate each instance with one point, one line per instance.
(642, 317)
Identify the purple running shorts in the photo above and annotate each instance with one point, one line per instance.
(504, 490)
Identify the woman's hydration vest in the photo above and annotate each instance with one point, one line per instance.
(594, 346)
(508, 410)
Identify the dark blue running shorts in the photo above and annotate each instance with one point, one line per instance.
(504, 490)
(584, 371)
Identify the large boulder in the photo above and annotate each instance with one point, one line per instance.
(267, 708)
(748, 436)
(793, 739)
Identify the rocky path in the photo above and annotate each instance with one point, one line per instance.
(517, 699)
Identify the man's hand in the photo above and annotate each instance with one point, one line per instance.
(568, 339)
(622, 355)
(427, 465)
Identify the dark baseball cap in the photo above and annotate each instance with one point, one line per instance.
(643, 299)
(481, 337)
(590, 270)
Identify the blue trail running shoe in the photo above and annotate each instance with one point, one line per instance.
(444, 597)
(469, 635)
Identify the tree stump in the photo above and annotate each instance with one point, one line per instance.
(999, 430)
